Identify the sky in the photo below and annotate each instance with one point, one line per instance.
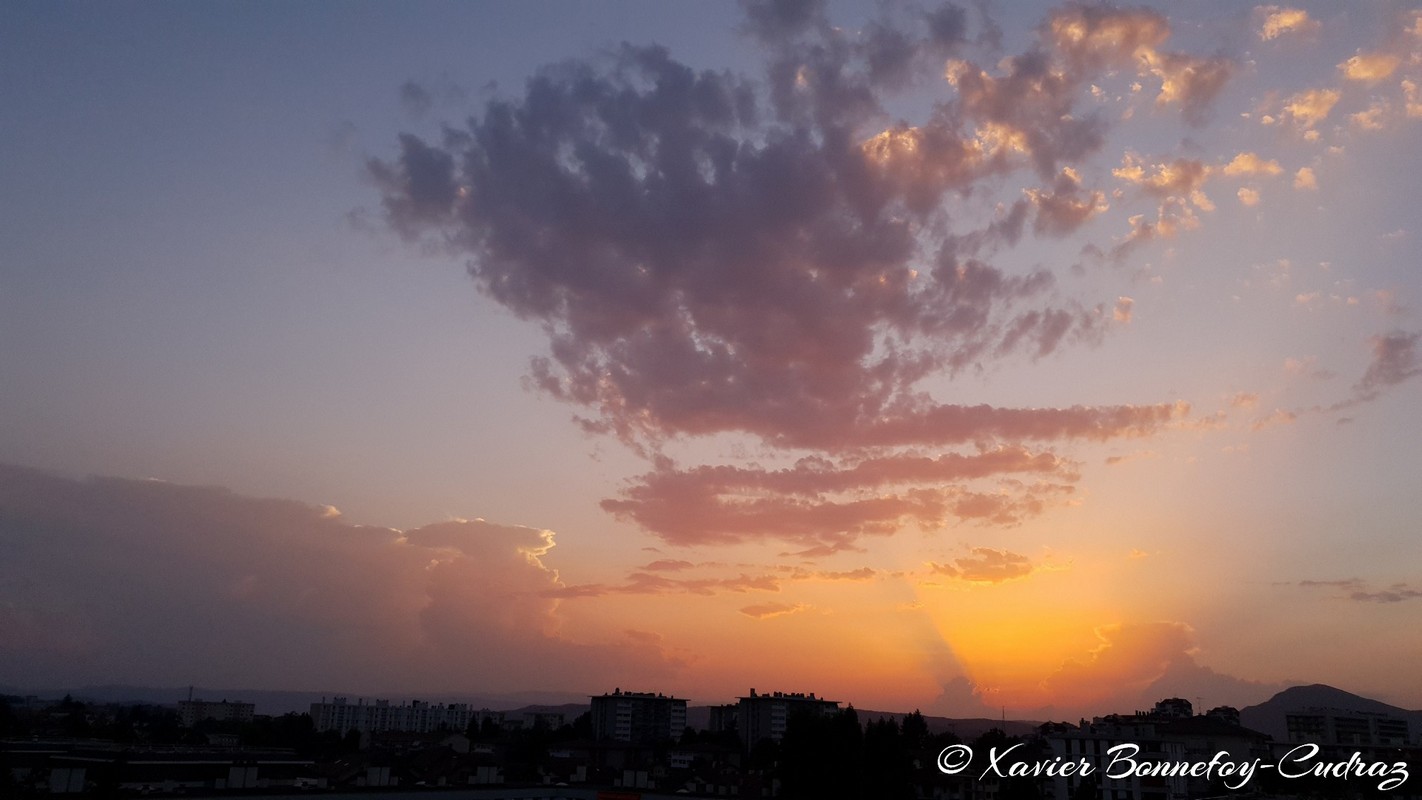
(1031, 359)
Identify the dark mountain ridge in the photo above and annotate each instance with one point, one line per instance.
(1270, 716)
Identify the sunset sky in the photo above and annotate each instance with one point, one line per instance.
(1010, 357)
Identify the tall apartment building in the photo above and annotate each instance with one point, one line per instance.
(764, 716)
(637, 717)
(1332, 727)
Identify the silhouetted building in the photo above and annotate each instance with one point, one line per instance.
(379, 716)
(723, 718)
(1163, 736)
(637, 717)
(191, 712)
(764, 716)
(1174, 708)
(551, 720)
(1226, 714)
(485, 716)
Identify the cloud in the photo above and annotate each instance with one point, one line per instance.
(1397, 593)
(668, 565)
(769, 610)
(1305, 180)
(693, 281)
(1182, 177)
(643, 582)
(773, 256)
(416, 99)
(1252, 164)
(640, 583)
(775, 22)
(986, 565)
(1394, 360)
(1192, 83)
(1307, 367)
(1065, 207)
(1278, 21)
(1101, 36)
(1359, 591)
(1244, 400)
(1135, 664)
(1310, 107)
(1386, 300)
(1124, 309)
(961, 698)
(101, 574)
(1248, 196)
(1173, 216)
(694, 514)
(1112, 461)
(818, 503)
(816, 476)
(1370, 67)
(1279, 417)
(861, 574)
(1412, 99)
(1348, 583)
(1371, 118)
(1129, 658)
(1185, 677)
(1093, 37)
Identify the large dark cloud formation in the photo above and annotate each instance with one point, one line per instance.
(151, 583)
(713, 253)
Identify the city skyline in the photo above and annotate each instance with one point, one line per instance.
(1037, 360)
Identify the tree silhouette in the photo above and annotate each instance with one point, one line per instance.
(915, 730)
(888, 763)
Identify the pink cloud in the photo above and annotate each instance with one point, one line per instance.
(820, 503)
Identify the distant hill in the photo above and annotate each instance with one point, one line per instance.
(282, 702)
(570, 711)
(1269, 716)
(267, 702)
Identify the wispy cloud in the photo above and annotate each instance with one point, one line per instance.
(1359, 591)
(770, 610)
(986, 565)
